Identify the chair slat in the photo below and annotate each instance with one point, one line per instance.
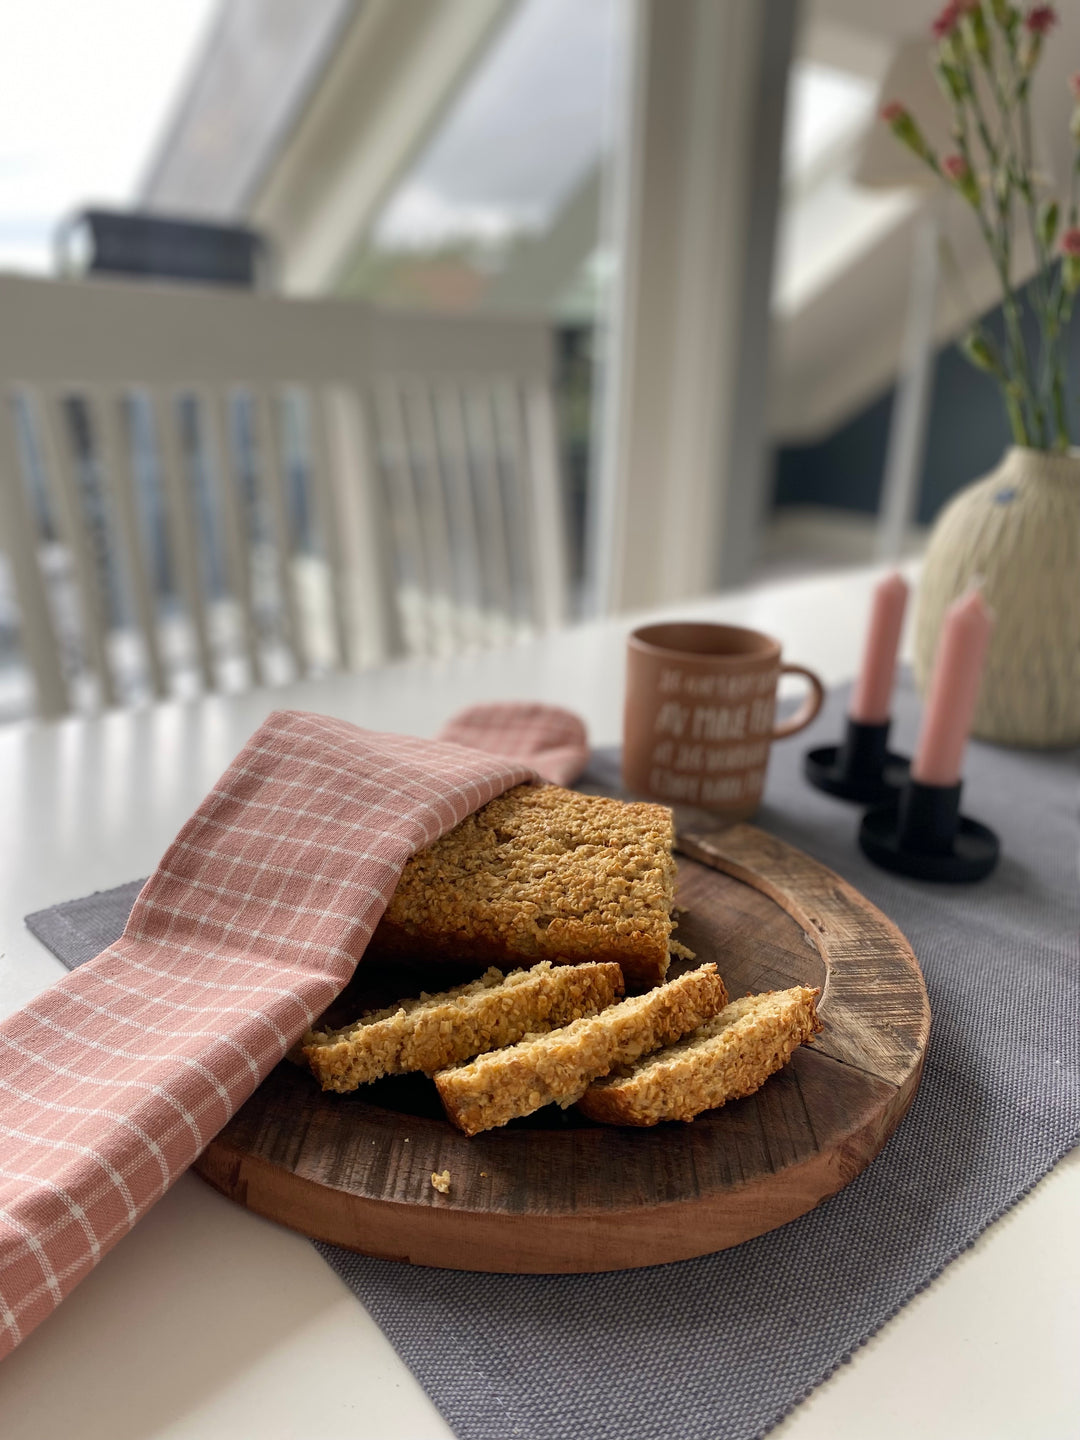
(461, 511)
(236, 536)
(119, 481)
(513, 471)
(342, 425)
(181, 528)
(548, 511)
(329, 519)
(60, 466)
(426, 467)
(413, 586)
(22, 544)
(491, 521)
(273, 480)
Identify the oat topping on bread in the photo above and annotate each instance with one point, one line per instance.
(559, 1066)
(728, 1057)
(542, 873)
(434, 1031)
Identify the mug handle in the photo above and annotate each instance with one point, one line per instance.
(808, 709)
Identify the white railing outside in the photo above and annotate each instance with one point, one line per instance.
(207, 490)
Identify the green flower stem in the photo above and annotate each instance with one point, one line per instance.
(1060, 297)
(1049, 331)
(997, 242)
(992, 47)
(1017, 424)
(998, 236)
(1046, 303)
(1001, 164)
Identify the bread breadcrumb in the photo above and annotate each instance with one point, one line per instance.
(559, 1066)
(435, 1031)
(441, 1181)
(542, 873)
(727, 1057)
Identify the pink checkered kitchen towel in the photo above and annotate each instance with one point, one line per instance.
(114, 1079)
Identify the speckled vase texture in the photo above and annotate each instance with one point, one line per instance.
(1017, 531)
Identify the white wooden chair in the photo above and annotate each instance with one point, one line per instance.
(244, 488)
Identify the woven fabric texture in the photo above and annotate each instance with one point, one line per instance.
(723, 1347)
(114, 1079)
(553, 739)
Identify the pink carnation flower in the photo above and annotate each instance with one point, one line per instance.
(1040, 19)
(947, 20)
(955, 167)
(892, 112)
(1070, 242)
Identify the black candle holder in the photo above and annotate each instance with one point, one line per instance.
(923, 834)
(862, 768)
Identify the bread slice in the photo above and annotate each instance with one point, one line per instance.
(559, 1066)
(729, 1056)
(541, 873)
(438, 1030)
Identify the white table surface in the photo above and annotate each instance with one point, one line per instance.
(208, 1322)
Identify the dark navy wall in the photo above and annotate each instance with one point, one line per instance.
(966, 435)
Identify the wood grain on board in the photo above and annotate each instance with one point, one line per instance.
(555, 1193)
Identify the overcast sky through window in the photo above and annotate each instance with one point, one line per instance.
(86, 89)
(525, 131)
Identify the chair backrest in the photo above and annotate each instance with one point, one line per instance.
(225, 488)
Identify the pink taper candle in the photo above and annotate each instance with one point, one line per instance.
(954, 689)
(871, 700)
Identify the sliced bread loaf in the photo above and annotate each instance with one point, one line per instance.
(729, 1056)
(541, 873)
(559, 1066)
(434, 1031)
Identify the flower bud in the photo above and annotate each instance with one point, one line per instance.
(976, 35)
(953, 81)
(980, 350)
(903, 126)
(1040, 19)
(946, 21)
(1047, 222)
(957, 169)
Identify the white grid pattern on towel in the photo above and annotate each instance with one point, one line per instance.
(114, 1079)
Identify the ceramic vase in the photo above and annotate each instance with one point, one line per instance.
(1017, 531)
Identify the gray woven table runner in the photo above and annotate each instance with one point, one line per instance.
(723, 1347)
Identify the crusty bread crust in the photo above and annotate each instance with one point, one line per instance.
(559, 1066)
(434, 1031)
(541, 873)
(728, 1057)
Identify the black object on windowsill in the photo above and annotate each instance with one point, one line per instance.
(163, 247)
(862, 768)
(923, 834)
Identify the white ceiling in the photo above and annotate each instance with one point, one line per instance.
(846, 252)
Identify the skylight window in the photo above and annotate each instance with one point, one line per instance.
(527, 129)
(826, 109)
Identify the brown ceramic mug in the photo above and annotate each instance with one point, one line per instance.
(700, 707)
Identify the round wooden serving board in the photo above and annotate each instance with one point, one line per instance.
(554, 1193)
